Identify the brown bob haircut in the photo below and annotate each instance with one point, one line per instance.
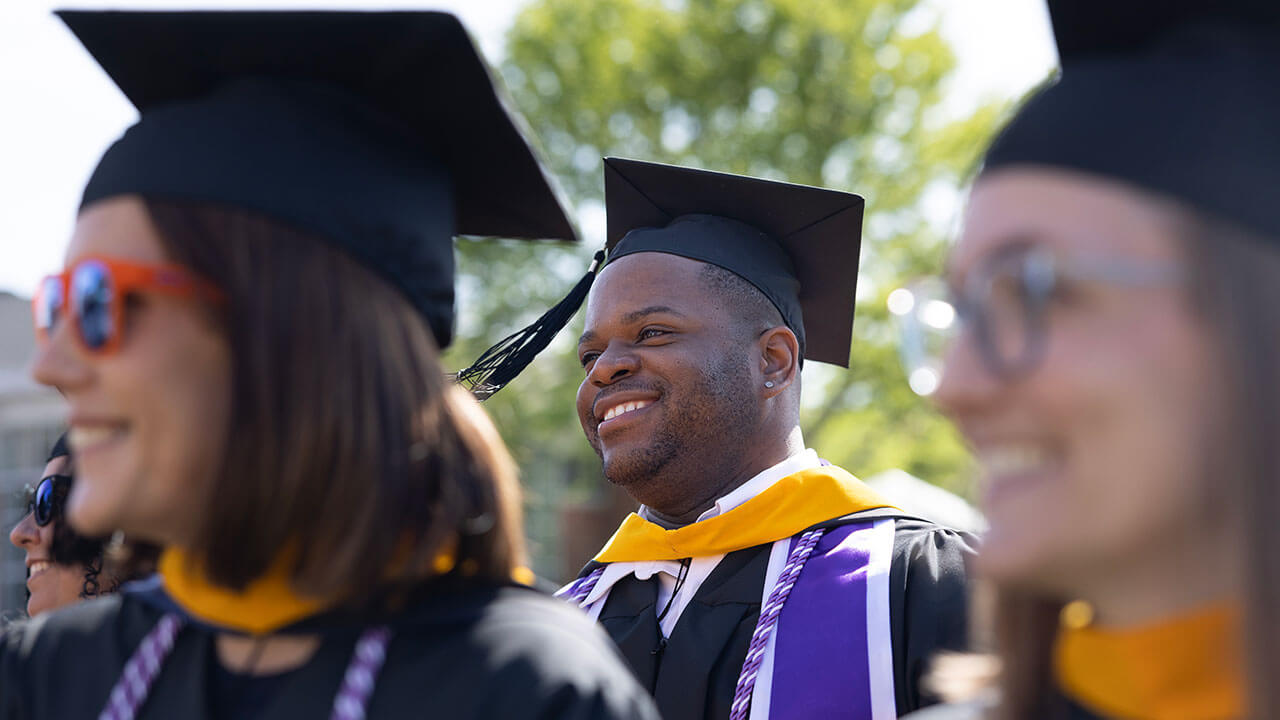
(349, 454)
(1235, 290)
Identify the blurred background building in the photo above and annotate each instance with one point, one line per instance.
(30, 421)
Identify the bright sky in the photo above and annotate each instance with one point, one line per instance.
(59, 111)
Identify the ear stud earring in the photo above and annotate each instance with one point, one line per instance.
(768, 383)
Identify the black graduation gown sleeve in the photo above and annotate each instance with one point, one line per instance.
(1077, 712)
(692, 675)
(1056, 708)
(63, 664)
(928, 602)
(489, 653)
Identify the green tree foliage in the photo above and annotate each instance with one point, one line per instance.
(839, 93)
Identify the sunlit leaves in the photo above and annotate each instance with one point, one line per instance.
(840, 93)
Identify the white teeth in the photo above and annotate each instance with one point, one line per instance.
(38, 567)
(1013, 459)
(624, 408)
(80, 438)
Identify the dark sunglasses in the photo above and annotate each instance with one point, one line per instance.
(92, 293)
(45, 503)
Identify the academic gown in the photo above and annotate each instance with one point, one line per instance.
(1078, 712)
(693, 673)
(1062, 709)
(475, 652)
(1070, 710)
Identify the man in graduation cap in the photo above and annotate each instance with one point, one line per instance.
(756, 580)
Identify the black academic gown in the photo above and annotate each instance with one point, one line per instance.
(693, 673)
(1078, 712)
(479, 652)
(1056, 708)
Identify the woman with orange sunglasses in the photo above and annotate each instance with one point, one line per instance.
(247, 335)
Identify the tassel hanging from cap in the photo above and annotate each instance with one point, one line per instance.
(501, 363)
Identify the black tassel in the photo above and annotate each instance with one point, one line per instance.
(501, 363)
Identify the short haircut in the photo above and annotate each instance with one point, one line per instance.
(348, 453)
(753, 311)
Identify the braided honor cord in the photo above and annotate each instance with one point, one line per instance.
(768, 620)
(579, 591)
(357, 684)
(142, 668)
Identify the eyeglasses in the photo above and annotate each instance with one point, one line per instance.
(1005, 300)
(45, 503)
(97, 288)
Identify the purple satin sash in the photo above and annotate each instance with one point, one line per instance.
(833, 638)
(832, 651)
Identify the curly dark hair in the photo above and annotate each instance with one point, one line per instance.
(72, 549)
(75, 550)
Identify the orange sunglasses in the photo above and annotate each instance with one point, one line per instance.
(95, 289)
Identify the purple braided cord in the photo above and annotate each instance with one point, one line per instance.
(357, 685)
(140, 672)
(583, 587)
(768, 620)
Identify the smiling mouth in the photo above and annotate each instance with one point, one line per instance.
(1014, 459)
(38, 567)
(624, 408)
(84, 438)
(1014, 465)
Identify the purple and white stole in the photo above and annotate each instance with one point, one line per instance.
(822, 646)
(831, 655)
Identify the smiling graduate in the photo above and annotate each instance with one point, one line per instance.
(755, 580)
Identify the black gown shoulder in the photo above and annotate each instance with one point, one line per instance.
(928, 597)
(693, 673)
(480, 653)
(928, 601)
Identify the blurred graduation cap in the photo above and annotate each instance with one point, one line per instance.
(381, 132)
(798, 245)
(1179, 97)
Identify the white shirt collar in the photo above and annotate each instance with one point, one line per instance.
(762, 481)
(759, 483)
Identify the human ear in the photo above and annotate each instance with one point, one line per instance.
(779, 359)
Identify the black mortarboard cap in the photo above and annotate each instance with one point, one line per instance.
(1178, 97)
(797, 244)
(381, 132)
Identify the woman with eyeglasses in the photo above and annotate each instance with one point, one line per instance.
(246, 332)
(1114, 362)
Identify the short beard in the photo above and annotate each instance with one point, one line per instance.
(702, 438)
